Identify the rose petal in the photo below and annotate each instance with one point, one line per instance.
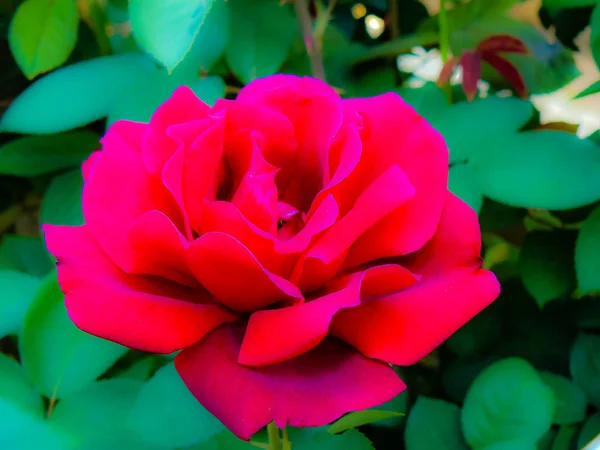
(182, 106)
(277, 335)
(147, 314)
(228, 270)
(395, 134)
(311, 390)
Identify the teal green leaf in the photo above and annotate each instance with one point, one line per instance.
(320, 439)
(16, 294)
(430, 414)
(61, 204)
(546, 265)
(167, 30)
(42, 34)
(587, 249)
(167, 414)
(590, 430)
(469, 128)
(24, 254)
(37, 155)
(58, 357)
(570, 401)
(73, 96)
(428, 100)
(140, 369)
(593, 88)
(480, 332)
(507, 401)
(225, 440)
(96, 416)
(16, 388)
(538, 169)
(261, 38)
(209, 89)
(512, 445)
(360, 418)
(462, 183)
(585, 365)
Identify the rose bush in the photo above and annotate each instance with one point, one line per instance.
(291, 243)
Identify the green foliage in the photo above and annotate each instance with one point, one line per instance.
(590, 430)
(24, 254)
(507, 401)
(587, 249)
(18, 289)
(585, 365)
(319, 439)
(570, 400)
(434, 423)
(360, 418)
(61, 204)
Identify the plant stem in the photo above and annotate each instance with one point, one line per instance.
(287, 445)
(444, 31)
(274, 437)
(312, 48)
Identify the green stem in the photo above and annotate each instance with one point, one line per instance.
(444, 31)
(287, 445)
(274, 437)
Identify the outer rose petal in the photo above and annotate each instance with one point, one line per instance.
(228, 270)
(135, 311)
(404, 327)
(277, 335)
(311, 390)
(395, 134)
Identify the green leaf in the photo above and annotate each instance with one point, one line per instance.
(261, 38)
(167, 30)
(587, 249)
(481, 332)
(469, 127)
(16, 388)
(75, 95)
(398, 404)
(462, 183)
(58, 357)
(591, 429)
(570, 400)
(568, 3)
(546, 265)
(428, 100)
(16, 295)
(512, 445)
(209, 89)
(507, 401)
(61, 204)
(593, 88)
(225, 440)
(42, 34)
(166, 413)
(585, 365)
(538, 169)
(139, 370)
(24, 254)
(37, 155)
(96, 416)
(360, 418)
(320, 439)
(430, 414)
(595, 35)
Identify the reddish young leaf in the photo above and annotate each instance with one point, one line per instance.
(447, 71)
(503, 43)
(471, 66)
(508, 71)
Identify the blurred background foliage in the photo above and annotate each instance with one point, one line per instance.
(524, 374)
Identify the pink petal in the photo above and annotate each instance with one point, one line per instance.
(395, 134)
(145, 313)
(228, 270)
(182, 106)
(311, 390)
(277, 335)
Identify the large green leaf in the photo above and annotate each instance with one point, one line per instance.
(166, 413)
(96, 416)
(58, 357)
(167, 30)
(571, 404)
(585, 365)
(468, 128)
(42, 34)
(507, 401)
(24, 254)
(16, 294)
(261, 38)
(61, 204)
(16, 388)
(587, 249)
(360, 418)
(546, 265)
(74, 95)
(427, 415)
(462, 184)
(37, 155)
(538, 169)
(320, 439)
(590, 430)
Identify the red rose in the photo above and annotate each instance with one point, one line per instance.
(290, 242)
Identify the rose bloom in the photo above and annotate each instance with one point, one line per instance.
(292, 244)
